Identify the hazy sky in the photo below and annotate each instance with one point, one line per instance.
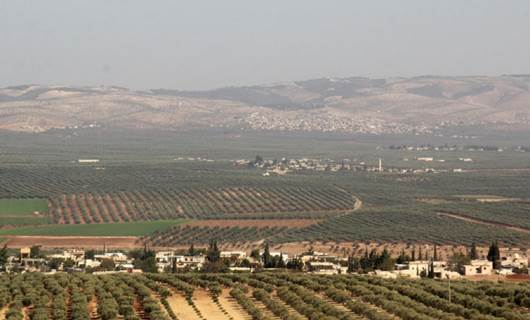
(204, 44)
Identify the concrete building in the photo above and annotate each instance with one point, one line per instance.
(71, 254)
(478, 267)
(514, 260)
(319, 267)
(114, 256)
(25, 253)
(418, 268)
(238, 255)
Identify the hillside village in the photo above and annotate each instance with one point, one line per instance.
(417, 265)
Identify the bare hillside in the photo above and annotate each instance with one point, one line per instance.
(400, 105)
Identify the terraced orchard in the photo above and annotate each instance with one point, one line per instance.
(257, 296)
(238, 202)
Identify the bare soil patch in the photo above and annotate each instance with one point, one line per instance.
(258, 223)
(232, 307)
(181, 308)
(207, 306)
(72, 242)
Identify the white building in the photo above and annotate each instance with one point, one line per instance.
(114, 256)
(71, 254)
(166, 259)
(319, 267)
(478, 267)
(238, 255)
(418, 268)
(164, 256)
(515, 260)
(89, 263)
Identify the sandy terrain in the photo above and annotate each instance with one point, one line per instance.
(207, 306)
(3, 312)
(260, 223)
(93, 308)
(181, 308)
(71, 242)
(231, 306)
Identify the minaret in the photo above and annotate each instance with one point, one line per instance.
(380, 165)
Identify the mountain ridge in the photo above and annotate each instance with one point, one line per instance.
(353, 104)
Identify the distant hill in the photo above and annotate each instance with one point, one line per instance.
(395, 105)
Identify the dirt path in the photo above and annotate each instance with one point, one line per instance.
(71, 242)
(181, 308)
(93, 309)
(358, 204)
(3, 312)
(232, 307)
(207, 306)
(25, 313)
(467, 218)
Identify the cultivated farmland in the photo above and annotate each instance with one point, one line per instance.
(207, 203)
(138, 228)
(136, 183)
(257, 296)
(402, 224)
(18, 212)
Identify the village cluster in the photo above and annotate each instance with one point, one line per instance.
(214, 260)
(467, 148)
(326, 122)
(285, 166)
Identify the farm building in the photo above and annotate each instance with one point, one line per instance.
(515, 260)
(238, 255)
(478, 267)
(318, 267)
(167, 259)
(73, 254)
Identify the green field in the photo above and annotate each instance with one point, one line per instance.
(112, 229)
(21, 212)
(22, 207)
